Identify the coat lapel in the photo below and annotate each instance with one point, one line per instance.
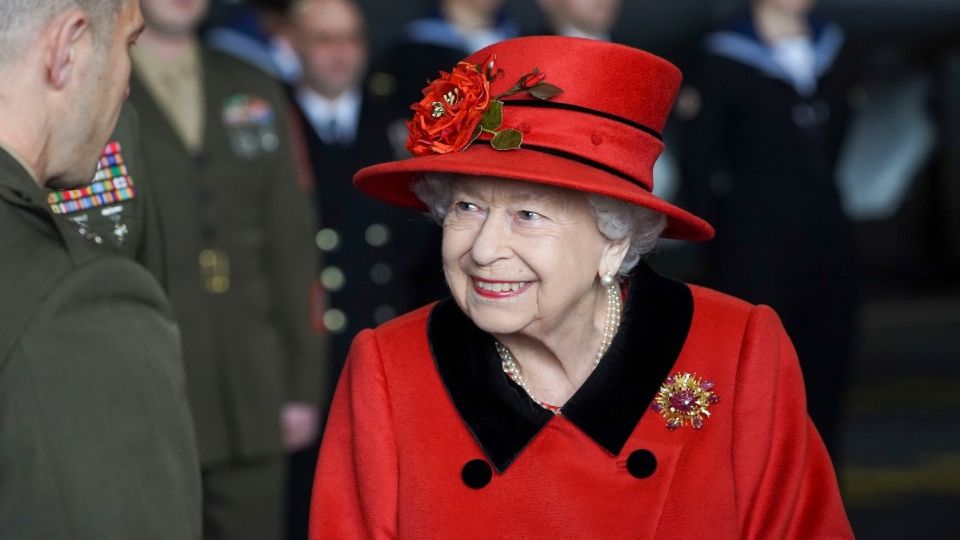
(609, 405)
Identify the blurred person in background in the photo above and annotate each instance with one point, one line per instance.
(236, 229)
(580, 18)
(444, 35)
(256, 32)
(378, 261)
(595, 19)
(759, 160)
(96, 439)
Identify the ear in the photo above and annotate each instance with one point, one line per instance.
(613, 255)
(65, 34)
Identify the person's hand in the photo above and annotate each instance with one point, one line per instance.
(299, 423)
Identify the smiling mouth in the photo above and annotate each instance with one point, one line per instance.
(499, 289)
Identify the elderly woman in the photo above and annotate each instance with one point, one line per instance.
(565, 390)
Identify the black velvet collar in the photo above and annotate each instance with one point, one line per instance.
(503, 419)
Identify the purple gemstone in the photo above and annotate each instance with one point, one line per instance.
(697, 423)
(683, 401)
(713, 399)
(669, 380)
(707, 385)
(673, 424)
(657, 407)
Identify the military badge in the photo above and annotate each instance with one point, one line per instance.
(251, 125)
(111, 184)
(684, 399)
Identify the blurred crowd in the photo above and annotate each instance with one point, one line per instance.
(798, 142)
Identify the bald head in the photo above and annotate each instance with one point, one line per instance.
(329, 36)
(64, 81)
(22, 20)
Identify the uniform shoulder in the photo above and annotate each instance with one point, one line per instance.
(239, 77)
(240, 68)
(106, 278)
(44, 282)
(34, 261)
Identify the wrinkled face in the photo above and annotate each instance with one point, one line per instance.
(329, 38)
(523, 258)
(174, 17)
(596, 16)
(102, 85)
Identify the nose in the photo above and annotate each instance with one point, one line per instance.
(492, 241)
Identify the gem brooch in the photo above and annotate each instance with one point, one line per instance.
(685, 399)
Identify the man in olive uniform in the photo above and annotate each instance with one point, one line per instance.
(238, 250)
(95, 433)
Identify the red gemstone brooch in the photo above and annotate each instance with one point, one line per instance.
(457, 108)
(685, 399)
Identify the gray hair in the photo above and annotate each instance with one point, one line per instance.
(616, 219)
(22, 19)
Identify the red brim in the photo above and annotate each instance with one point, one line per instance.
(390, 182)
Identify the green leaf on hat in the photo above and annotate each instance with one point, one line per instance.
(545, 90)
(493, 117)
(508, 139)
(476, 135)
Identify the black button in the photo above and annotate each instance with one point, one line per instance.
(641, 463)
(476, 473)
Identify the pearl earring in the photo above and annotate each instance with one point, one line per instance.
(607, 280)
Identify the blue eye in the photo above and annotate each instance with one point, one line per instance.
(527, 215)
(465, 206)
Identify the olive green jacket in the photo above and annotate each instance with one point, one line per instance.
(239, 258)
(96, 439)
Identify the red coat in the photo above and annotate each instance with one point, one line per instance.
(428, 439)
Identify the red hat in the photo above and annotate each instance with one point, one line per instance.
(574, 113)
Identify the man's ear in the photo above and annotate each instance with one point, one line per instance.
(64, 35)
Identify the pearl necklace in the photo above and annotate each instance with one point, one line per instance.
(610, 326)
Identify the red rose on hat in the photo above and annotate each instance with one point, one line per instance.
(590, 120)
(447, 117)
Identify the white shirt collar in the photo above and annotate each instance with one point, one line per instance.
(343, 112)
(798, 58)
